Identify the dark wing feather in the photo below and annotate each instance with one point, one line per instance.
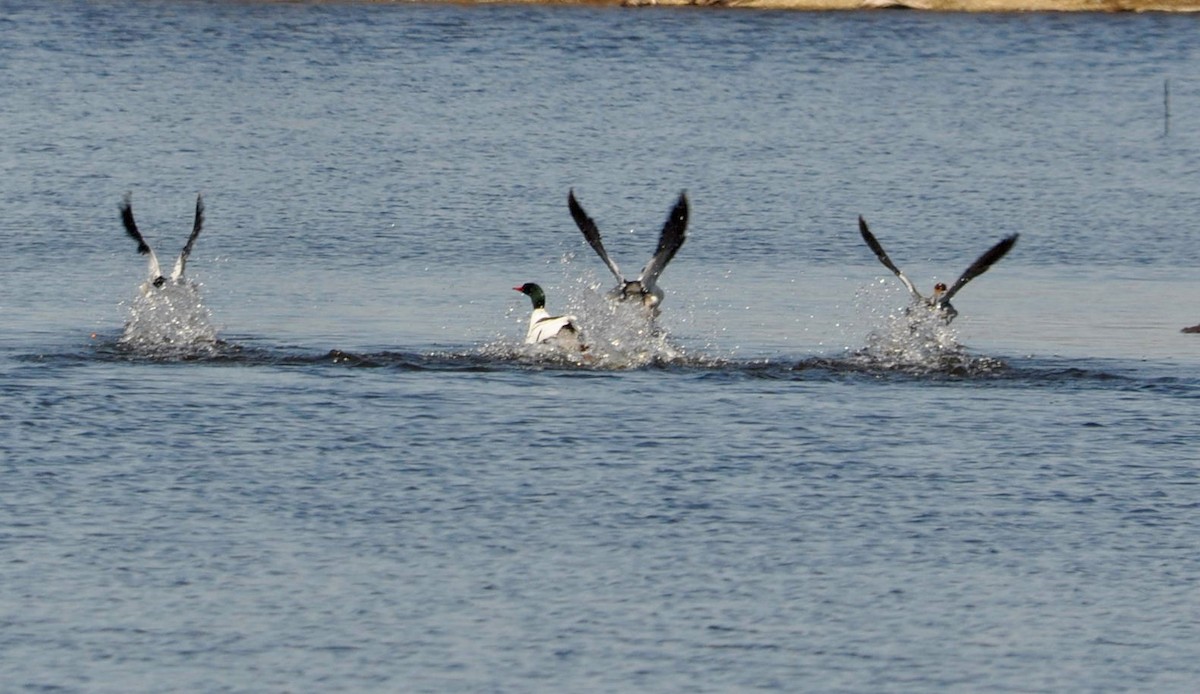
(877, 248)
(674, 233)
(143, 247)
(591, 233)
(981, 265)
(131, 226)
(197, 225)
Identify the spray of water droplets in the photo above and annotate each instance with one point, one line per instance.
(169, 321)
(915, 339)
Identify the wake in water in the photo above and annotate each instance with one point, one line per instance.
(170, 321)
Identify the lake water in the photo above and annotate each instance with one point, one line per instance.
(369, 484)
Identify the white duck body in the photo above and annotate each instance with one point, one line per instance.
(545, 328)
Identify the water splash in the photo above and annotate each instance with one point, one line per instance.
(918, 341)
(170, 321)
(617, 335)
(621, 334)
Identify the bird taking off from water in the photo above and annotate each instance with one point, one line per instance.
(156, 278)
(645, 288)
(940, 299)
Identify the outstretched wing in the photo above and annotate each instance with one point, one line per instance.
(132, 230)
(873, 243)
(187, 247)
(674, 233)
(981, 265)
(591, 233)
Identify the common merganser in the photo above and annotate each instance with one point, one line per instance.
(156, 277)
(645, 288)
(543, 327)
(940, 300)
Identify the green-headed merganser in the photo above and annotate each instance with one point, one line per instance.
(544, 327)
(940, 300)
(645, 288)
(156, 277)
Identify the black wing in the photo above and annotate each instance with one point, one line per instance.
(131, 226)
(875, 246)
(591, 233)
(143, 247)
(674, 233)
(197, 225)
(981, 265)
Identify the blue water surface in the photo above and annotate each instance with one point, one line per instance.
(368, 483)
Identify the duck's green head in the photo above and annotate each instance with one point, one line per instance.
(534, 292)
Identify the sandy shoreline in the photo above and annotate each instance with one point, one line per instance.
(844, 5)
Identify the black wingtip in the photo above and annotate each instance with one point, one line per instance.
(679, 216)
(582, 220)
(681, 207)
(199, 214)
(872, 242)
(1003, 247)
(573, 203)
(1000, 250)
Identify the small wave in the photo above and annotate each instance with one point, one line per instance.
(501, 356)
(856, 366)
(952, 363)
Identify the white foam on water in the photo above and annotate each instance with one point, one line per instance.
(170, 321)
(913, 339)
